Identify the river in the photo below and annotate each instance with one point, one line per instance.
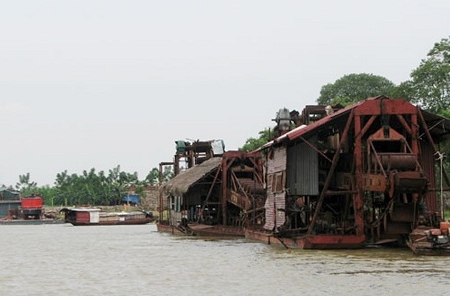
(62, 259)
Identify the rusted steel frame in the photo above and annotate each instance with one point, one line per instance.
(414, 134)
(404, 123)
(357, 198)
(256, 166)
(225, 166)
(430, 138)
(212, 186)
(252, 156)
(412, 151)
(161, 192)
(367, 125)
(377, 157)
(251, 197)
(363, 132)
(234, 181)
(314, 147)
(330, 173)
(238, 183)
(376, 224)
(258, 171)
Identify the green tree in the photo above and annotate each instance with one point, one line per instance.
(167, 173)
(353, 88)
(48, 194)
(152, 178)
(429, 86)
(25, 186)
(254, 143)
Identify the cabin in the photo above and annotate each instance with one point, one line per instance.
(81, 215)
(9, 203)
(95, 216)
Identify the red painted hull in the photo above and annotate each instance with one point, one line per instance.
(125, 222)
(309, 242)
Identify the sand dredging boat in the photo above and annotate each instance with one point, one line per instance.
(332, 177)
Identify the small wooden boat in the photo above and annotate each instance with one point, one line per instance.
(95, 216)
(430, 241)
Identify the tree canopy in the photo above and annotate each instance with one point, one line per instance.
(254, 143)
(352, 88)
(91, 187)
(429, 86)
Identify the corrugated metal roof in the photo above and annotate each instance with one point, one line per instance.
(439, 126)
(181, 183)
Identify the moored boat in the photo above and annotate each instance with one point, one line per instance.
(199, 229)
(95, 216)
(331, 178)
(430, 241)
(324, 241)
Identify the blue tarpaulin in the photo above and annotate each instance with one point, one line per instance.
(131, 199)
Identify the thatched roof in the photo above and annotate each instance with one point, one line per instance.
(181, 183)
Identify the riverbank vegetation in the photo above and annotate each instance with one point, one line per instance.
(91, 187)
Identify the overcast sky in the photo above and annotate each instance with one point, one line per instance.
(97, 84)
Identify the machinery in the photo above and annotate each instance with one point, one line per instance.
(349, 177)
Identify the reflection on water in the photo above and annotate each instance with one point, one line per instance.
(118, 260)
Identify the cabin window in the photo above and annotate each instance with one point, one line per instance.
(278, 181)
(176, 203)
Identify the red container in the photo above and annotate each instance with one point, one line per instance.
(31, 202)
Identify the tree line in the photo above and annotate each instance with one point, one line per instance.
(91, 187)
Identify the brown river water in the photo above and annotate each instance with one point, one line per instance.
(137, 260)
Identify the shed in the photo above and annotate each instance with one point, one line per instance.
(181, 183)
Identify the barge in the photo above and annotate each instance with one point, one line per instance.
(95, 216)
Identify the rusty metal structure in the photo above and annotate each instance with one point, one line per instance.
(218, 194)
(348, 177)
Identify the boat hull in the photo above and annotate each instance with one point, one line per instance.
(95, 217)
(202, 230)
(430, 241)
(116, 222)
(308, 242)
